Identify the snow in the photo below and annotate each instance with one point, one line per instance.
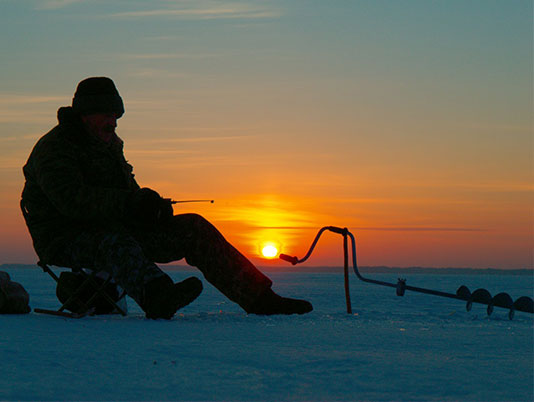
(416, 347)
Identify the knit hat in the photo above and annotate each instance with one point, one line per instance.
(97, 95)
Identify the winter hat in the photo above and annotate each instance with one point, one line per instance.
(97, 95)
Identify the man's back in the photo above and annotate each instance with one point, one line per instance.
(74, 181)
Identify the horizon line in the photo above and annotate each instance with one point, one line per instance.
(313, 267)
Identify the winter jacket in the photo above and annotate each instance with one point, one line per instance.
(74, 182)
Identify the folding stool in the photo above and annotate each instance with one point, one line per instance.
(89, 281)
(85, 307)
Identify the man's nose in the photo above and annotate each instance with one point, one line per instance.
(112, 119)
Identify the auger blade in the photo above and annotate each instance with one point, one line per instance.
(463, 292)
(502, 300)
(524, 304)
(481, 296)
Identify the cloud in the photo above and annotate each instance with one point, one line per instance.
(55, 4)
(23, 116)
(194, 139)
(288, 227)
(168, 56)
(204, 10)
(180, 9)
(419, 229)
(26, 109)
(156, 73)
(11, 99)
(163, 38)
(14, 160)
(170, 162)
(160, 152)
(383, 228)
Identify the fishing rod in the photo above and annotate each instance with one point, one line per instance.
(184, 201)
(481, 296)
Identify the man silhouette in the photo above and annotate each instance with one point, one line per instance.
(85, 209)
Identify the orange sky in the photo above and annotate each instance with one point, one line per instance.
(410, 126)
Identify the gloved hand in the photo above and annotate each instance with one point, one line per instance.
(166, 211)
(147, 208)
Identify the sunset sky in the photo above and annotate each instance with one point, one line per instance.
(409, 122)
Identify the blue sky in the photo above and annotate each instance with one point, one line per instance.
(424, 107)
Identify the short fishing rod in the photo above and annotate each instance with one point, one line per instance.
(184, 201)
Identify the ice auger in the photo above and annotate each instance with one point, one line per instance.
(481, 296)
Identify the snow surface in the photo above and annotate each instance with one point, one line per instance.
(417, 347)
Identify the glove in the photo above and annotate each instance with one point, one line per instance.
(147, 208)
(165, 210)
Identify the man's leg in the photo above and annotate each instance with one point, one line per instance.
(120, 255)
(192, 237)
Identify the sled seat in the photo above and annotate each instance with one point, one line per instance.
(89, 294)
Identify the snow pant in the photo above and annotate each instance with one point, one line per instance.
(129, 256)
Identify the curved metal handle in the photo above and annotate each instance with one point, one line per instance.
(296, 260)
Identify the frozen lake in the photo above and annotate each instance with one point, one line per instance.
(415, 347)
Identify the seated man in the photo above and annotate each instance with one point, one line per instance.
(85, 209)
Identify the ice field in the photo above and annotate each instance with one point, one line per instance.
(416, 347)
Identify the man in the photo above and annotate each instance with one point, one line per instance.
(85, 209)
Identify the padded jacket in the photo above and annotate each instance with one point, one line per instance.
(74, 182)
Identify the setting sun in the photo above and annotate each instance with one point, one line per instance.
(269, 250)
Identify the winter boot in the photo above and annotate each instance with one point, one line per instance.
(162, 298)
(270, 303)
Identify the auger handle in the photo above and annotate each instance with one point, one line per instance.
(295, 260)
(288, 258)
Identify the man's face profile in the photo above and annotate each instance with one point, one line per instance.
(101, 124)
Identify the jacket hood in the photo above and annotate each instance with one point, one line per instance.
(65, 115)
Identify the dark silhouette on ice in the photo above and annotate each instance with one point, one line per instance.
(84, 209)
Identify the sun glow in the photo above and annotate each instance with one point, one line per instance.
(269, 250)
